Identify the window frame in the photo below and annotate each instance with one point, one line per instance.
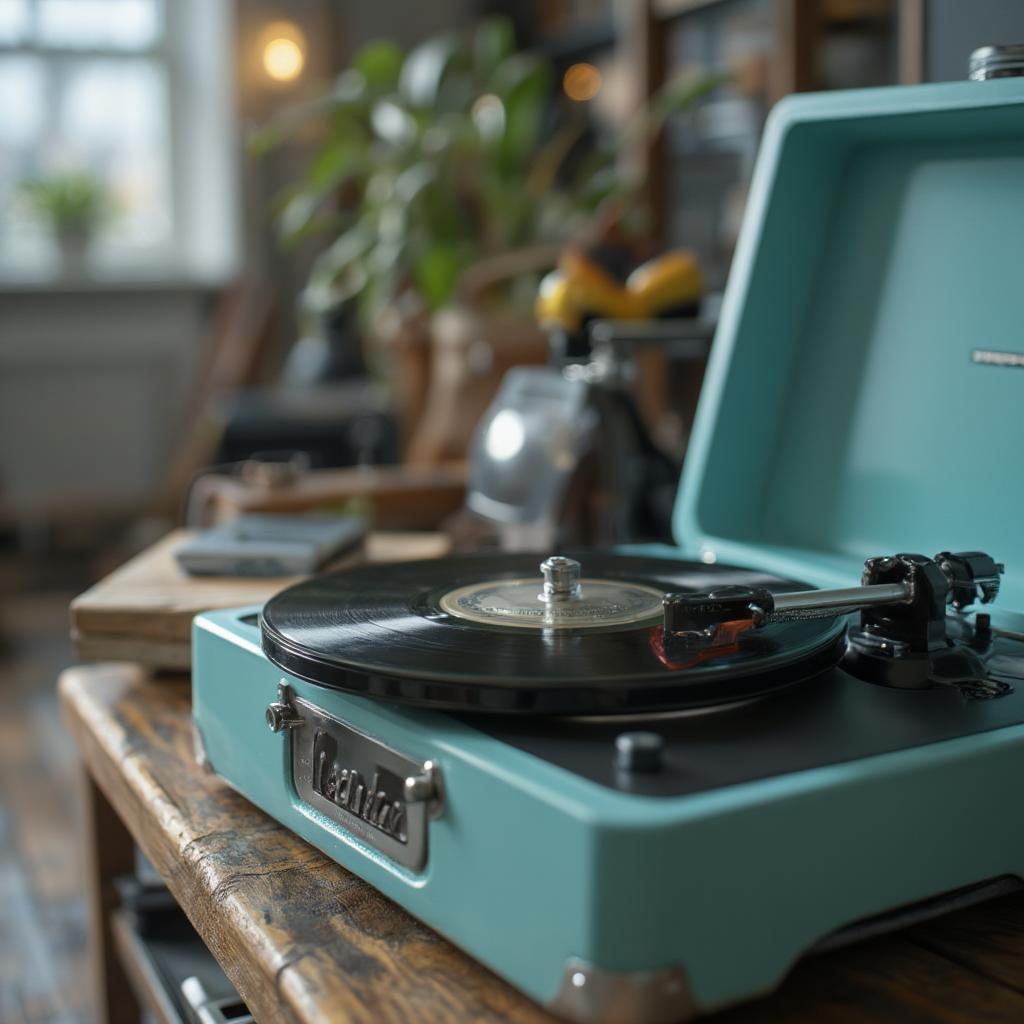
(192, 118)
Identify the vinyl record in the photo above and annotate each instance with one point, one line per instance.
(473, 633)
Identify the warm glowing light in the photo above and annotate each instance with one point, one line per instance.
(284, 51)
(581, 82)
(283, 60)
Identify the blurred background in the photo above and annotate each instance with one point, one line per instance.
(259, 255)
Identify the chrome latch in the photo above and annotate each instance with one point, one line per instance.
(281, 714)
(425, 787)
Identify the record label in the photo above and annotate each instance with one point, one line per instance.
(520, 603)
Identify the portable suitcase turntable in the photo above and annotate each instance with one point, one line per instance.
(640, 785)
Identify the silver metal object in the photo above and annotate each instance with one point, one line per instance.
(208, 1010)
(199, 749)
(1004, 61)
(589, 995)
(281, 714)
(703, 625)
(425, 787)
(381, 797)
(561, 578)
(824, 604)
(639, 751)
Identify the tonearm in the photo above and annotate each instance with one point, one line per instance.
(902, 639)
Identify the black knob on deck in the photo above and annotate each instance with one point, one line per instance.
(639, 751)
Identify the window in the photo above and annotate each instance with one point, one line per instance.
(93, 87)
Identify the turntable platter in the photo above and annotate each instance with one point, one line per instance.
(488, 633)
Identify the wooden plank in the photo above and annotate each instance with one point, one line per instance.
(151, 598)
(911, 28)
(301, 939)
(797, 28)
(110, 854)
(988, 939)
(143, 611)
(408, 497)
(889, 980)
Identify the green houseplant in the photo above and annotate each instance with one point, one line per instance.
(430, 161)
(73, 204)
(448, 173)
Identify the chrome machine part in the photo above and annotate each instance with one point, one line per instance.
(704, 620)
(1003, 61)
(902, 639)
(590, 995)
(561, 579)
(280, 714)
(207, 1009)
(911, 582)
(425, 787)
(565, 600)
(380, 796)
(199, 749)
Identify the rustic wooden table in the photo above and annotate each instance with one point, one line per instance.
(303, 940)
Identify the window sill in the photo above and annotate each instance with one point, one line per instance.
(110, 282)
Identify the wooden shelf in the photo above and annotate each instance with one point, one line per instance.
(302, 940)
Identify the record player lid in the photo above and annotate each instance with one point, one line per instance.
(865, 387)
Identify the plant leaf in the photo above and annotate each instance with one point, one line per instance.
(393, 123)
(680, 93)
(493, 41)
(424, 69)
(524, 87)
(436, 272)
(296, 216)
(380, 63)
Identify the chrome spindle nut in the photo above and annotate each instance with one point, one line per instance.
(561, 578)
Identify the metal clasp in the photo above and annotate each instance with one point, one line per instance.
(281, 714)
(425, 787)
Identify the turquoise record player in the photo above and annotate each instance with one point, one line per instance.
(641, 785)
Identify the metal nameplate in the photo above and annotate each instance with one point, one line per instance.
(359, 783)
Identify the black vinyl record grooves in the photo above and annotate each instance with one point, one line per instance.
(380, 631)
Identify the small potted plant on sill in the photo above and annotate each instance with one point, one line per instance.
(74, 204)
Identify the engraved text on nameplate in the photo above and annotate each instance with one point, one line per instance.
(376, 800)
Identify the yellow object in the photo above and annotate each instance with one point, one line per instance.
(671, 280)
(579, 289)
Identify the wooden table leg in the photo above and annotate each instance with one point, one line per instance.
(110, 853)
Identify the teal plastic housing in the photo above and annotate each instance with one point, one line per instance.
(842, 414)
(532, 869)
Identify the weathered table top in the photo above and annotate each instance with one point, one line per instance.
(304, 940)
